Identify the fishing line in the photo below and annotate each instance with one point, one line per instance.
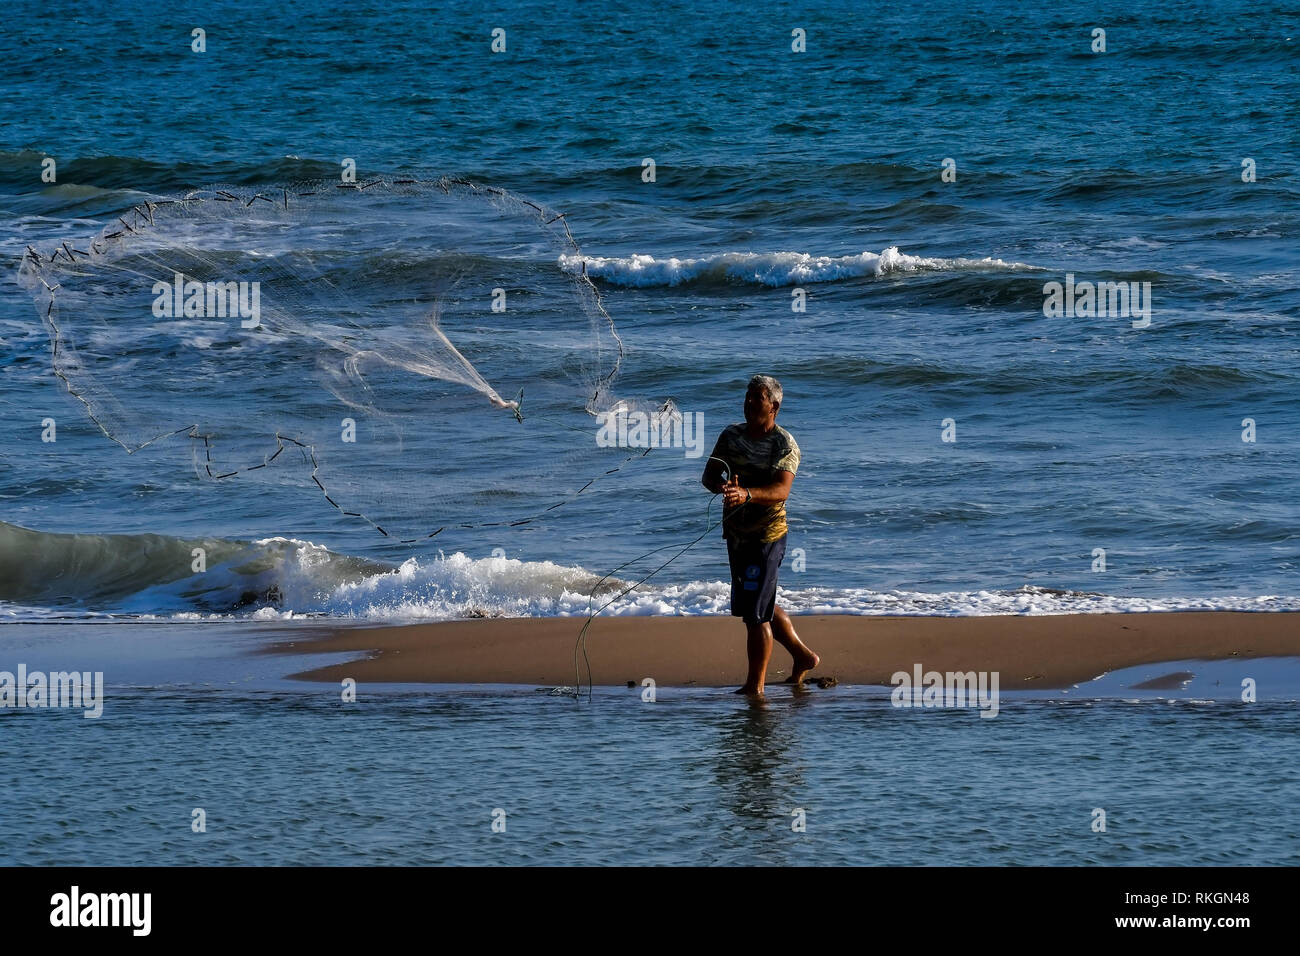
(581, 643)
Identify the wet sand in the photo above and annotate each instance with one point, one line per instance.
(1028, 652)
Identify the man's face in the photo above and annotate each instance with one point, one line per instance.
(758, 407)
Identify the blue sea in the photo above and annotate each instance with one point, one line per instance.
(877, 220)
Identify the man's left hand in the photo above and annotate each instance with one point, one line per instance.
(733, 494)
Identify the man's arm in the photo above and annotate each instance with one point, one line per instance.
(773, 494)
(712, 477)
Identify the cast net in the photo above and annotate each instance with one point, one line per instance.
(409, 351)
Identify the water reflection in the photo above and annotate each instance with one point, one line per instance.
(759, 760)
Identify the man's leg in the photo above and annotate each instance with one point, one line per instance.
(759, 646)
(804, 659)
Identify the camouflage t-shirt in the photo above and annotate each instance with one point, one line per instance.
(756, 461)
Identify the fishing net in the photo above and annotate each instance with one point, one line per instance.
(409, 351)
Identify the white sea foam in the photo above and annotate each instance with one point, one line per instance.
(287, 578)
(770, 268)
(458, 586)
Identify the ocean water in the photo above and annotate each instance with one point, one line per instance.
(775, 171)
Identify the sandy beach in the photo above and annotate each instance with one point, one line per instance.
(1028, 652)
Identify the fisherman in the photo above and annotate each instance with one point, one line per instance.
(761, 459)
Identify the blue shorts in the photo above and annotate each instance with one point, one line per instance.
(753, 578)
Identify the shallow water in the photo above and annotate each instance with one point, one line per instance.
(697, 777)
(287, 772)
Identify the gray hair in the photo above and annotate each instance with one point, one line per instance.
(770, 386)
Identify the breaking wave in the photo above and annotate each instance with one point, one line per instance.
(770, 268)
(150, 576)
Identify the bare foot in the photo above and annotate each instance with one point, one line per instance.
(801, 668)
(751, 691)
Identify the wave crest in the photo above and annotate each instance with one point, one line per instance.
(770, 268)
